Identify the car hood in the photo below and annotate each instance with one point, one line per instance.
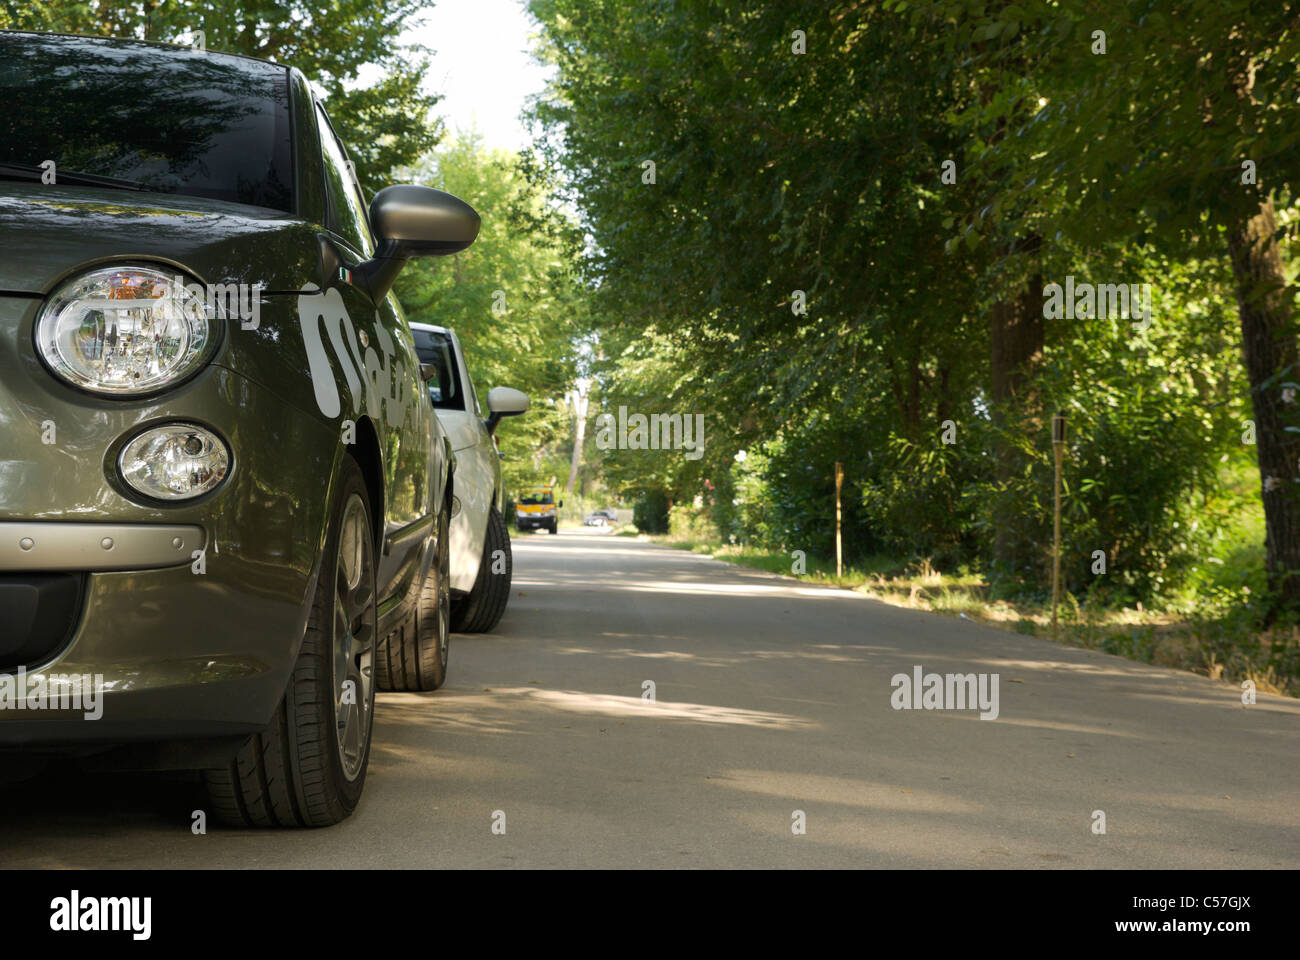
(49, 232)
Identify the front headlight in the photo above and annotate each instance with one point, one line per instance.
(125, 330)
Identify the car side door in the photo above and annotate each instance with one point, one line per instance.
(487, 461)
(388, 392)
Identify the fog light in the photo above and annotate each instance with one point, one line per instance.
(175, 462)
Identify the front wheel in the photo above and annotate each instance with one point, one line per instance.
(308, 768)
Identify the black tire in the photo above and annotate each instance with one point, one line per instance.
(555, 526)
(300, 772)
(481, 609)
(414, 657)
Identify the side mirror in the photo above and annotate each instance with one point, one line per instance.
(560, 504)
(412, 221)
(504, 402)
(428, 371)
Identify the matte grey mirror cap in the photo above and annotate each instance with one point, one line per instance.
(414, 221)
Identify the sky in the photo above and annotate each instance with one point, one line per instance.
(482, 67)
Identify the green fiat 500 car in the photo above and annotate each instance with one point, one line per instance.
(224, 493)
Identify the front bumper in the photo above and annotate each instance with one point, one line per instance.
(185, 642)
(174, 655)
(525, 521)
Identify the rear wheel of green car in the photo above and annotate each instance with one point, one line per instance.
(480, 610)
(308, 768)
(414, 657)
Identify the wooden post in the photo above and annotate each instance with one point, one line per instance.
(1058, 453)
(839, 548)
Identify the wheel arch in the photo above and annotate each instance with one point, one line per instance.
(367, 454)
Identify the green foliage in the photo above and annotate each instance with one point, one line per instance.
(686, 522)
(514, 298)
(778, 173)
(650, 512)
(1160, 124)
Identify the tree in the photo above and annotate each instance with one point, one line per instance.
(514, 298)
(1167, 117)
(768, 189)
(768, 205)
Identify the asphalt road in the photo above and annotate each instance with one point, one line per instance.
(770, 697)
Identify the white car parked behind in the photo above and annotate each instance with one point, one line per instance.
(481, 562)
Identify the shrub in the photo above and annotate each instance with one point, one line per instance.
(650, 512)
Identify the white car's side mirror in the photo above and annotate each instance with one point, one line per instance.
(505, 402)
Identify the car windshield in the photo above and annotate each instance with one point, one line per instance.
(536, 499)
(145, 117)
(435, 348)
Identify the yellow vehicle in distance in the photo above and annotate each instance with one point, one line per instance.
(536, 509)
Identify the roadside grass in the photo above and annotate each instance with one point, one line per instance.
(1206, 630)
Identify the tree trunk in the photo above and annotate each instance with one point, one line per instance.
(1016, 337)
(579, 433)
(1269, 344)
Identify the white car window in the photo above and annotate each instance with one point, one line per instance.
(435, 348)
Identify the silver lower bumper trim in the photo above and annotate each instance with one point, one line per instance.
(94, 547)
